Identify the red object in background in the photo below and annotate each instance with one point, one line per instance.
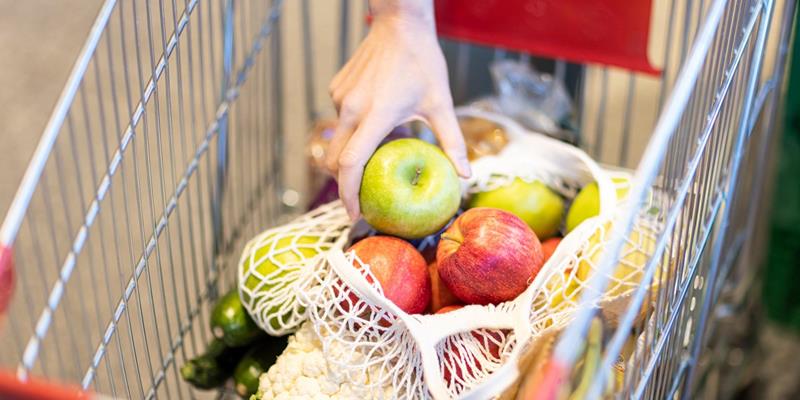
(12, 388)
(6, 277)
(611, 32)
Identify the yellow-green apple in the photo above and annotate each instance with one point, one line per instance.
(488, 256)
(535, 203)
(587, 203)
(400, 270)
(271, 271)
(409, 189)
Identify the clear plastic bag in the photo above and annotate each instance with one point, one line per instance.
(538, 101)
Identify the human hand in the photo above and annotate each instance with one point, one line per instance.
(397, 74)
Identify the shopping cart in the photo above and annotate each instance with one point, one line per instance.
(179, 136)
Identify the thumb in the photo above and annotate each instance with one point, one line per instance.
(448, 132)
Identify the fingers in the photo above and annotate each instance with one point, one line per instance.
(344, 129)
(354, 156)
(344, 81)
(446, 128)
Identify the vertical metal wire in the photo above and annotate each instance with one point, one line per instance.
(150, 188)
(627, 118)
(199, 281)
(344, 32)
(755, 67)
(95, 183)
(222, 135)
(771, 89)
(139, 221)
(651, 161)
(107, 157)
(117, 120)
(461, 75)
(599, 124)
(278, 116)
(308, 57)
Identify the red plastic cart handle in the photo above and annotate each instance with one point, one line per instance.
(12, 388)
(6, 277)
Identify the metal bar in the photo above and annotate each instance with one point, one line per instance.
(776, 81)
(140, 192)
(756, 63)
(308, 66)
(223, 126)
(626, 126)
(22, 199)
(462, 71)
(599, 126)
(567, 348)
(163, 221)
(344, 32)
(118, 130)
(619, 337)
(673, 318)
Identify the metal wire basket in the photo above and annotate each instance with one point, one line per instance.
(179, 135)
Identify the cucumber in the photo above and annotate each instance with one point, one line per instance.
(231, 323)
(256, 362)
(212, 368)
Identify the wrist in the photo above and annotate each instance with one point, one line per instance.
(412, 13)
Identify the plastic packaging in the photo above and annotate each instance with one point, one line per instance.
(536, 100)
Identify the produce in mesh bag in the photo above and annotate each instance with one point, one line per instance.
(275, 265)
(374, 342)
(539, 206)
(303, 372)
(488, 256)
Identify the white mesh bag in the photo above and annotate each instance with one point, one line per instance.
(472, 352)
(276, 265)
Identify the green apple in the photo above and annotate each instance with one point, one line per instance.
(533, 202)
(587, 203)
(409, 189)
(269, 279)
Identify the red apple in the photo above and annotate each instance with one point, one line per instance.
(441, 296)
(452, 353)
(400, 270)
(549, 247)
(488, 256)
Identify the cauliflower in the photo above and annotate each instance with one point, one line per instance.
(302, 372)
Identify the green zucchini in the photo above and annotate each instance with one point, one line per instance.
(256, 362)
(214, 367)
(231, 323)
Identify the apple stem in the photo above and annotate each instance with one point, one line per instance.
(416, 176)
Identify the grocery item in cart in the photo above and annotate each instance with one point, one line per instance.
(409, 189)
(538, 101)
(482, 137)
(539, 206)
(324, 186)
(409, 352)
